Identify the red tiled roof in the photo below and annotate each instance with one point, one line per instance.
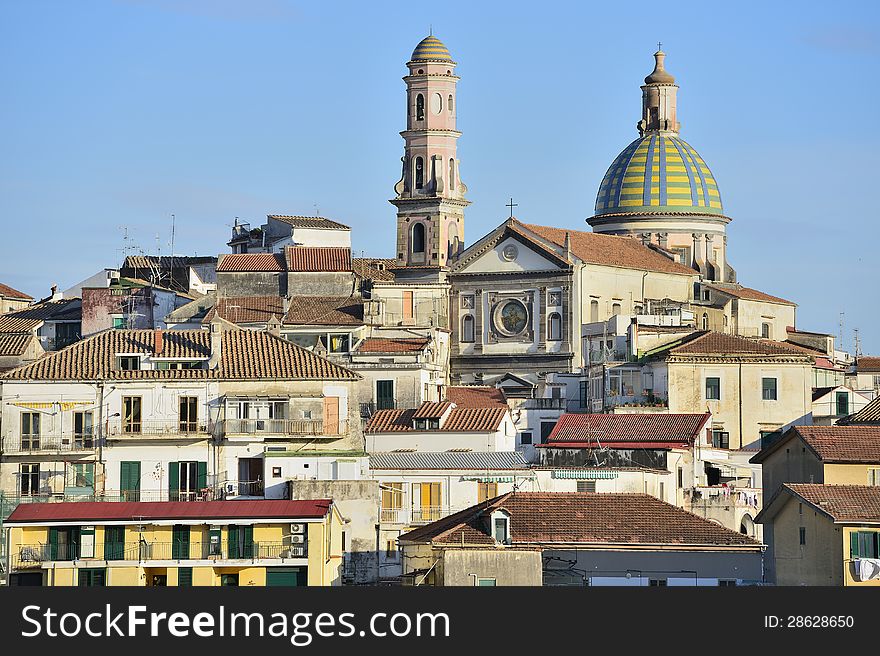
(317, 258)
(476, 396)
(246, 309)
(15, 343)
(156, 510)
(610, 250)
(459, 420)
(870, 415)
(749, 294)
(429, 410)
(8, 292)
(308, 222)
(325, 311)
(245, 354)
(547, 518)
(589, 430)
(393, 345)
(712, 343)
(833, 444)
(374, 268)
(868, 363)
(251, 263)
(844, 503)
(22, 321)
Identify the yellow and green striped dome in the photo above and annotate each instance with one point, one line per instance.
(657, 174)
(431, 49)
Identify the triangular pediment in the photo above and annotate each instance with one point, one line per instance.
(508, 250)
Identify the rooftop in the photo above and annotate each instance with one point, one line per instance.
(868, 363)
(476, 396)
(317, 222)
(67, 309)
(842, 503)
(251, 263)
(870, 414)
(627, 430)
(312, 259)
(459, 420)
(455, 460)
(393, 345)
(832, 444)
(704, 342)
(8, 292)
(566, 518)
(749, 294)
(15, 343)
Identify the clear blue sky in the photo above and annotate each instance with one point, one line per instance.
(120, 113)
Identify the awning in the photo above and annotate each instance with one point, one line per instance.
(50, 405)
(489, 479)
(585, 474)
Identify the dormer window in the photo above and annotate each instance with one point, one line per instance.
(433, 424)
(421, 424)
(500, 524)
(129, 362)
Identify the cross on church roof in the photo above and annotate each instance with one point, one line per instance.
(659, 46)
(511, 205)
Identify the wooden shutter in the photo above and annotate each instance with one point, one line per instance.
(202, 476)
(407, 306)
(130, 480)
(331, 415)
(180, 542)
(173, 481)
(232, 532)
(53, 543)
(248, 541)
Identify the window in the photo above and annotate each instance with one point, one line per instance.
(131, 414)
(624, 382)
(384, 394)
(499, 528)
(486, 582)
(391, 549)
(768, 389)
(276, 472)
(767, 437)
(29, 480)
(467, 329)
(129, 362)
(420, 107)
(278, 408)
(486, 491)
(426, 502)
(713, 388)
(657, 583)
(241, 542)
(554, 327)
(188, 414)
(680, 477)
(615, 309)
(30, 431)
(420, 173)
(80, 475)
(705, 321)
(864, 544)
(114, 543)
(449, 103)
(525, 437)
(92, 577)
(467, 301)
(802, 538)
(874, 476)
(232, 579)
(180, 542)
(720, 439)
(83, 430)
(130, 480)
(842, 403)
(338, 343)
(594, 311)
(392, 496)
(185, 577)
(546, 429)
(765, 330)
(586, 486)
(418, 238)
(119, 322)
(451, 172)
(186, 479)
(876, 382)
(727, 583)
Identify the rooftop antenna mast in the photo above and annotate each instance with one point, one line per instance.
(857, 344)
(840, 330)
(172, 236)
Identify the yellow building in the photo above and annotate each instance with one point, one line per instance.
(199, 543)
(823, 535)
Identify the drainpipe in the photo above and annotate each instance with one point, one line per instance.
(740, 406)
(102, 422)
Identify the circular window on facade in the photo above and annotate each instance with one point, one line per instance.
(509, 252)
(511, 317)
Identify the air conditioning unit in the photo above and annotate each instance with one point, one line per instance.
(230, 488)
(297, 539)
(297, 528)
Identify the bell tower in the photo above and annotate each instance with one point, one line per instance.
(659, 100)
(430, 194)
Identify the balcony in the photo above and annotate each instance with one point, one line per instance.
(35, 555)
(545, 404)
(283, 427)
(158, 429)
(231, 489)
(36, 444)
(405, 516)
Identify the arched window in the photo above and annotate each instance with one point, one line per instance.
(453, 241)
(452, 174)
(615, 309)
(420, 107)
(418, 238)
(765, 330)
(594, 311)
(467, 328)
(449, 104)
(420, 172)
(554, 327)
(705, 321)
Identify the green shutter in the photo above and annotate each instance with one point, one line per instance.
(185, 576)
(114, 543)
(173, 481)
(130, 480)
(202, 480)
(232, 532)
(180, 542)
(53, 544)
(854, 544)
(248, 546)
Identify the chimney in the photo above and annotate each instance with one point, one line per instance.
(567, 245)
(55, 295)
(216, 343)
(158, 341)
(273, 326)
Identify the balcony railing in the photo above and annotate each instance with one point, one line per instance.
(48, 443)
(294, 427)
(545, 404)
(407, 516)
(35, 555)
(229, 489)
(157, 428)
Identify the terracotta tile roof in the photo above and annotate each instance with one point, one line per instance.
(611, 250)
(246, 309)
(15, 343)
(832, 444)
(317, 258)
(157, 510)
(591, 430)
(459, 420)
(547, 519)
(432, 410)
(325, 311)
(870, 414)
(843, 503)
(31, 317)
(393, 345)
(149, 262)
(374, 268)
(868, 363)
(245, 354)
(308, 222)
(457, 460)
(749, 294)
(476, 396)
(251, 263)
(712, 343)
(8, 292)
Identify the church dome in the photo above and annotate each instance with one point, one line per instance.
(431, 49)
(659, 174)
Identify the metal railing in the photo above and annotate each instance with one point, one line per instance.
(312, 427)
(157, 428)
(229, 489)
(34, 555)
(48, 443)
